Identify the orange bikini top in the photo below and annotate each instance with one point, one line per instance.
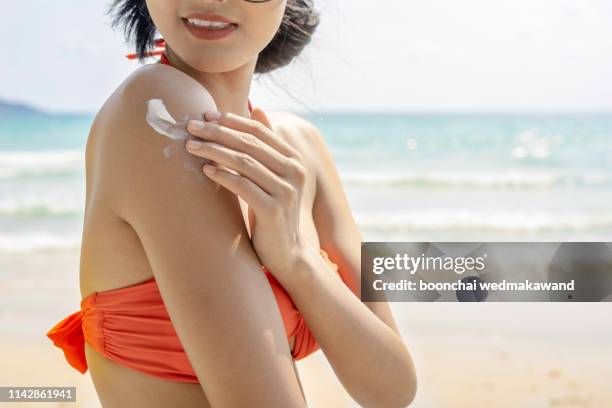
(131, 326)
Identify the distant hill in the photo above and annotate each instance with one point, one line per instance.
(10, 108)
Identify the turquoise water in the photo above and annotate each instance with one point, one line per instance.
(408, 177)
(575, 146)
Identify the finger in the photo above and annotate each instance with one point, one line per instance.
(258, 129)
(246, 166)
(245, 143)
(256, 198)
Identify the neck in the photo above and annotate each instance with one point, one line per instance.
(230, 90)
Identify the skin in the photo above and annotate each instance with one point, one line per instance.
(204, 240)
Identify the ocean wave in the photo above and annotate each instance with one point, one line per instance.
(532, 145)
(42, 211)
(40, 203)
(25, 163)
(445, 220)
(38, 241)
(480, 179)
(470, 220)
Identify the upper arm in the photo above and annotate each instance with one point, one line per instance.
(218, 298)
(338, 232)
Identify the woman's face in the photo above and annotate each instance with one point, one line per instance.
(256, 25)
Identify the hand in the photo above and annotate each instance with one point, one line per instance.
(269, 176)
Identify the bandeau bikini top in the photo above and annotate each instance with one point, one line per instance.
(131, 326)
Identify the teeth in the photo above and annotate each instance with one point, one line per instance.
(209, 24)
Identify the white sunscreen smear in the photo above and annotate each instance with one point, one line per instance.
(163, 123)
(160, 119)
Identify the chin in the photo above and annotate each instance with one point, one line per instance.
(216, 64)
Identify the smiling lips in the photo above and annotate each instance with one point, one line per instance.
(209, 26)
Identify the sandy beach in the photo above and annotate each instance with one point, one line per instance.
(467, 355)
(476, 371)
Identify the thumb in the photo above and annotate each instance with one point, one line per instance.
(259, 115)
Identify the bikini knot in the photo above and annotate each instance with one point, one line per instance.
(68, 335)
(159, 43)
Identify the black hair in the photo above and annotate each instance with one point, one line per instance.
(296, 29)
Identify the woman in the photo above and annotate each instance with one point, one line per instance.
(225, 334)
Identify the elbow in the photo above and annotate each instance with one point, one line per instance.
(403, 394)
(405, 397)
(397, 392)
(403, 385)
(409, 388)
(398, 398)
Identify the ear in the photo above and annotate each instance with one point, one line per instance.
(259, 115)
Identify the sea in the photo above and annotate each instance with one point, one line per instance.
(408, 177)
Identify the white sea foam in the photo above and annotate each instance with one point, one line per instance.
(45, 206)
(471, 220)
(442, 220)
(532, 145)
(15, 164)
(41, 197)
(475, 179)
(38, 241)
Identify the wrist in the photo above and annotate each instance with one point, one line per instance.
(304, 258)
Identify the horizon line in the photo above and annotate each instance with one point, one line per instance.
(358, 111)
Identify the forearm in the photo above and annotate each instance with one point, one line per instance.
(369, 358)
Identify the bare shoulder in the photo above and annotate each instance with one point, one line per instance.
(300, 133)
(122, 146)
(153, 81)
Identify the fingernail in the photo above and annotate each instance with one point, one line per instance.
(208, 169)
(193, 144)
(212, 115)
(195, 125)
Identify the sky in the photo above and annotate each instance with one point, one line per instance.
(396, 55)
